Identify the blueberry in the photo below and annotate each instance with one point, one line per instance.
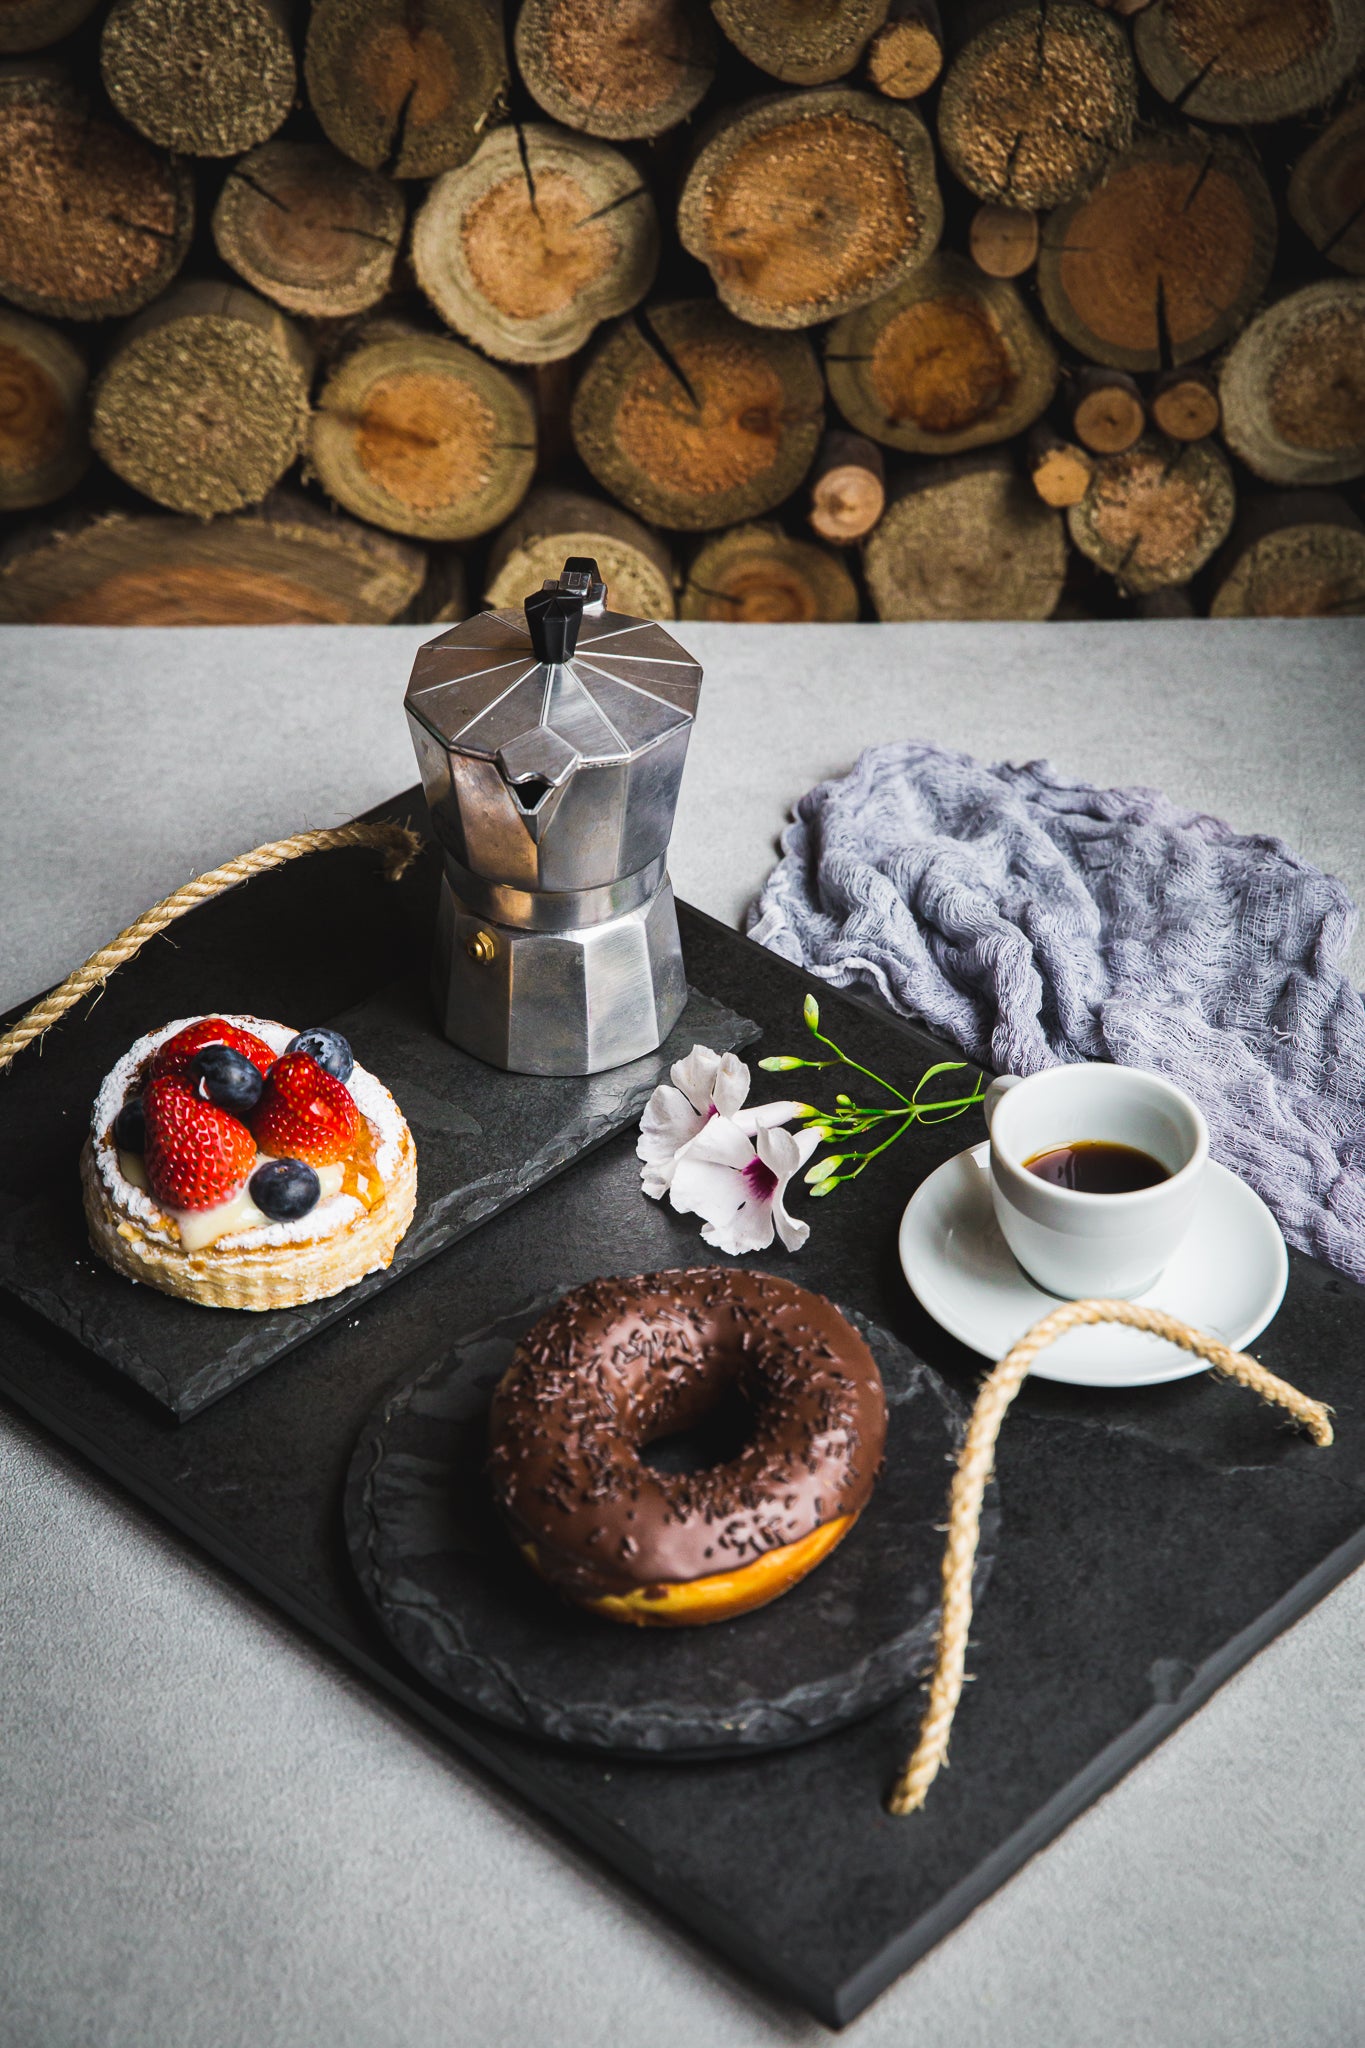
(328, 1048)
(130, 1126)
(283, 1188)
(226, 1078)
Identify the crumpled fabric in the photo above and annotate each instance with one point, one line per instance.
(1033, 920)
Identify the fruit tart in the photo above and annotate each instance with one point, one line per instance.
(236, 1163)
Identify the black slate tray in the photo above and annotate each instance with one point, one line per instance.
(460, 1606)
(1152, 1541)
(484, 1138)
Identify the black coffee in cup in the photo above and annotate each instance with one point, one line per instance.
(1095, 1167)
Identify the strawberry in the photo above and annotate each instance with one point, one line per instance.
(196, 1156)
(175, 1055)
(305, 1113)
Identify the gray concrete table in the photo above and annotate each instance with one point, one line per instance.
(210, 1835)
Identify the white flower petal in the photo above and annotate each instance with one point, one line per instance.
(764, 1114)
(696, 1076)
(702, 1189)
(730, 1085)
(719, 1143)
(779, 1152)
(750, 1229)
(792, 1231)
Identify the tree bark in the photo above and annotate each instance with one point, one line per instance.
(806, 205)
(1185, 404)
(1164, 260)
(201, 80)
(554, 524)
(1035, 106)
(44, 438)
(1107, 414)
(905, 56)
(1292, 387)
(847, 487)
(802, 42)
(203, 401)
(93, 223)
(27, 25)
(1327, 191)
(422, 436)
(443, 599)
(694, 421)
(625, 73)
(966, 540)
(757, 575)
(1003, 240)
(534, 241)
(948, 361)
(1297, 554)
(1239, 60)
(288, 563)
(309, 228)
(405, 90)
(1059, 470)
(1155, 514)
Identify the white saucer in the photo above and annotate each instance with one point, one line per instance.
(1228, 1278)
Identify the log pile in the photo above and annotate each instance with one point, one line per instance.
(353, 310)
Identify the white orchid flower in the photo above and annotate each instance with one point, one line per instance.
(735, 1183)
(705, 1085)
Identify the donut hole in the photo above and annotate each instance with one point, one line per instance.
(703, 1441)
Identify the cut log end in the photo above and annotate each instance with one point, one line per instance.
(624, 73)
(1036, 105)
(44, 442)
(758, 575)
(1155, 514)
(1060, 471)
(202, 404)
(534, 241)
(694, 421)
(1292, 387)
(286, 564)
(205, 81)
(1185, 405)
(905, 56)
(950, 360)
(801, 43)
(1299, 555)
(1241, 61)
(27, 25)
(1327, 191)
(1003, 240)
(93, 222)
(1165, 259)
(401, 89)
(422, 436)
(847, 488)
(554, 524)
(966, 540)
(806, 205)
(310, 229)
(1107, 412)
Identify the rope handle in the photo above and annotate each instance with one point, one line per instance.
(976, 1461)
(399, 844)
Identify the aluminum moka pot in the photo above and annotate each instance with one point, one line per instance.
(551, 741)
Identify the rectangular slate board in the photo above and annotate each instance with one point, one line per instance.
(1150, 1542)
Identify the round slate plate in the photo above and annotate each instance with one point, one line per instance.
(458, 1602)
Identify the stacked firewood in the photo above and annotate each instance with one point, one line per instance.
(782, 309)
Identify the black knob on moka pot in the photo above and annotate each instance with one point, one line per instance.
(553, 618)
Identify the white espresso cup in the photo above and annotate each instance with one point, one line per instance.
(1080, 1244)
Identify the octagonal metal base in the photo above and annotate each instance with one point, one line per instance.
(559, 1002)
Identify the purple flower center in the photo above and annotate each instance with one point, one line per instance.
(759, 1179)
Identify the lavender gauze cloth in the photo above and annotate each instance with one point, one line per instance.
(1034, 920)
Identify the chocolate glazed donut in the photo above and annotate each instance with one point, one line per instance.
(618, 1364)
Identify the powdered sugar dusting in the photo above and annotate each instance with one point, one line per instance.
(330, 1215)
